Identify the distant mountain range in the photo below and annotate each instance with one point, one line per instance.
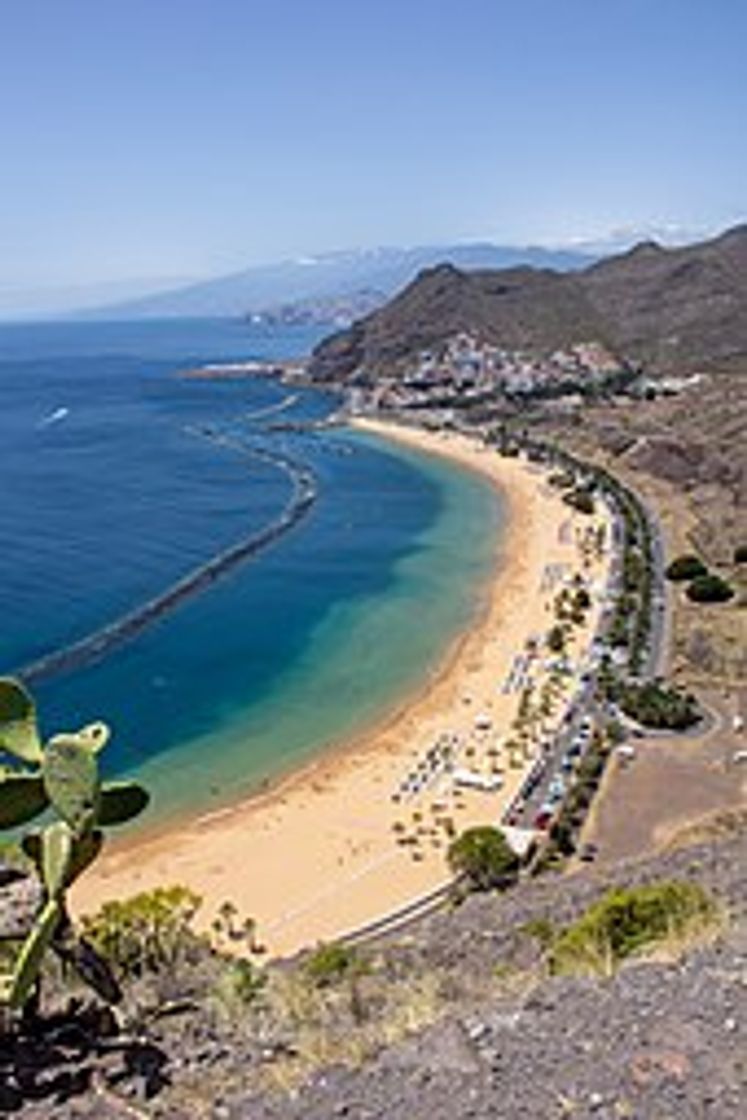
(328, 277)
(674, 310)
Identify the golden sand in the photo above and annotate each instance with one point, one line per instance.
(329, 848)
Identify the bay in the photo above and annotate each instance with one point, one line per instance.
(119, 477)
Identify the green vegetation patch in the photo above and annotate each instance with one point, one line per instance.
(685, 568)
(655, 705)
(484, 857)
(330, 962)
(629, 921)
(710, 588)
(580, 499)
(146, 933)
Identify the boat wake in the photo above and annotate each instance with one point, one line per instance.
(53, 417)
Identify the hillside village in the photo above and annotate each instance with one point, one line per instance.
(468, 370)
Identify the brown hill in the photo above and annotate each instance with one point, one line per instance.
(515, 308)
(677, 309)
(671, 309)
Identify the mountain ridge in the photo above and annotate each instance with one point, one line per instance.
(331, 275)
(671, 309)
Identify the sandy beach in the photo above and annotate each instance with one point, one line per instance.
(364, 829)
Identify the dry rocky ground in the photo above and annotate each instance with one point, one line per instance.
(455, 1017)
(673, 782)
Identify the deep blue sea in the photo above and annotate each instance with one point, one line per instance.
(120, 478)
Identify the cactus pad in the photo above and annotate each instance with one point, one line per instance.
(56, 857)
(85, 850)
(120, 802)
(71, 779)
(22, 797)
(18, 731)
(29, 961)
(95, 735)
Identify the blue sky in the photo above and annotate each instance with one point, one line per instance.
(192, 137)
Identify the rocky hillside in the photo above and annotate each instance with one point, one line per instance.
(457, 1016)
(674, 310)
(677, 310)
(515, 308)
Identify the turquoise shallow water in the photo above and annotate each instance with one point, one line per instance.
(308, 642)
(361, 660)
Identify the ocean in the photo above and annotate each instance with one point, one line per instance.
(121, 479)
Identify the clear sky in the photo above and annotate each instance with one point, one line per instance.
(192, 137)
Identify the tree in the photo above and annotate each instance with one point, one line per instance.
(580, 500)
(685, 568)
(484, 857)
(710, 588)
(556, 639)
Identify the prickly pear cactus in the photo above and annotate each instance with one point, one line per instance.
(71, 779)
(62, 776)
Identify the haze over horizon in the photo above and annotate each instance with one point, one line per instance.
(155, 145)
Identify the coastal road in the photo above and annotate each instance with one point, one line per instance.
(585, 703)
(661, 601)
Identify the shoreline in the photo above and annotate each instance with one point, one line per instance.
(345, 845)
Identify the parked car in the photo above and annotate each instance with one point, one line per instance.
(544, 817)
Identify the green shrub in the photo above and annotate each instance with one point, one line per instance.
(330, 962)
(710, 588)
(618, 634)
(685, 568)
(634, 571)
(484, 857)
(627, 921)
(238, 984)
(148, 932)
(615, 732)
(556, 639)
(654, 705)
(580, 500)
(561, 835)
